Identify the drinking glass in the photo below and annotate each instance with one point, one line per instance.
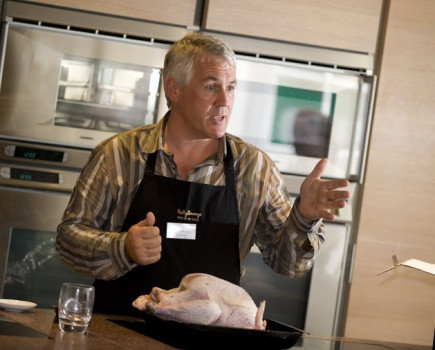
(75, 307)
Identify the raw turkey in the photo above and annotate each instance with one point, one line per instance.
(204, 299)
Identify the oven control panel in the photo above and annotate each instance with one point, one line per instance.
(26, 174)
(17, 175)
(40, 166)
(35, 153)
(43, 154)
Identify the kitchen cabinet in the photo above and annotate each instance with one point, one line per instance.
(180, 12)
(397, 208)
(342, 24)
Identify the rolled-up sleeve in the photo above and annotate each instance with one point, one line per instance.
(86, 241)
(288, 241)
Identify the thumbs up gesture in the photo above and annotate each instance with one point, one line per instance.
(318, 196)
(143, 243)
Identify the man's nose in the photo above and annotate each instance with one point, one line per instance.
(223, 98)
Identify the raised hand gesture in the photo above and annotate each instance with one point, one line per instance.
(318, 196)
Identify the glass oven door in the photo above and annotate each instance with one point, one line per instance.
(29, 268)
(299, 114)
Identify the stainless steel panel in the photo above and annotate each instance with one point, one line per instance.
(301, 54)
(325, 297)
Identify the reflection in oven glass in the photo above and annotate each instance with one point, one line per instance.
(284, 119)
(34, 272)
(311, 133)
(104, 95)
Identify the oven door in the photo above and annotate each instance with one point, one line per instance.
(30, 269)
(299, 114)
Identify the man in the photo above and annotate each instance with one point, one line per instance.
(161, 201)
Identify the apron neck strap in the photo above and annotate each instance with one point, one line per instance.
(229, 166)
(151, 163)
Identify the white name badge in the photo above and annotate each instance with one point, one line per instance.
(177, 230)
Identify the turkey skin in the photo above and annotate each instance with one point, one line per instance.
(204, 299)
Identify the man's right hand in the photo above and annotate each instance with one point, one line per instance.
(143, 243)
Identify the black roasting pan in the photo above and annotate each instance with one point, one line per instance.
(194, 336)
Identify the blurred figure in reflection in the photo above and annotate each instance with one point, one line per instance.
(311, 133)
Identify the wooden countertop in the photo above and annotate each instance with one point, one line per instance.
(41, 331)
(38, 329)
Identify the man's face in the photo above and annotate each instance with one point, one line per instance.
(206, 103)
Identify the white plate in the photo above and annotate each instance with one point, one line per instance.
(16, 305)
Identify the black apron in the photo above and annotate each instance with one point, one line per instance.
(213, 209)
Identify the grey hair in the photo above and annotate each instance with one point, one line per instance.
(181, 57)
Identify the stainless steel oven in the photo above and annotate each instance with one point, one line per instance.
(299, 114)
(74, 88)
(35, 185)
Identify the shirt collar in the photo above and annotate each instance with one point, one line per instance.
(160, 127)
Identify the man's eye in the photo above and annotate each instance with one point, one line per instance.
(211, 87)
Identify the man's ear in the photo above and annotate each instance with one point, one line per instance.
(171, 89)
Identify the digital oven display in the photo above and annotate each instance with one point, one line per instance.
(38, 154)
(34, 175)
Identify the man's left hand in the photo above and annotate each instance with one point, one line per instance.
(318, 196)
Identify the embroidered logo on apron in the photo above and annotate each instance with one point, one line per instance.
(187, 215)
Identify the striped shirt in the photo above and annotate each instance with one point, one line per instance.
(89, 236)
